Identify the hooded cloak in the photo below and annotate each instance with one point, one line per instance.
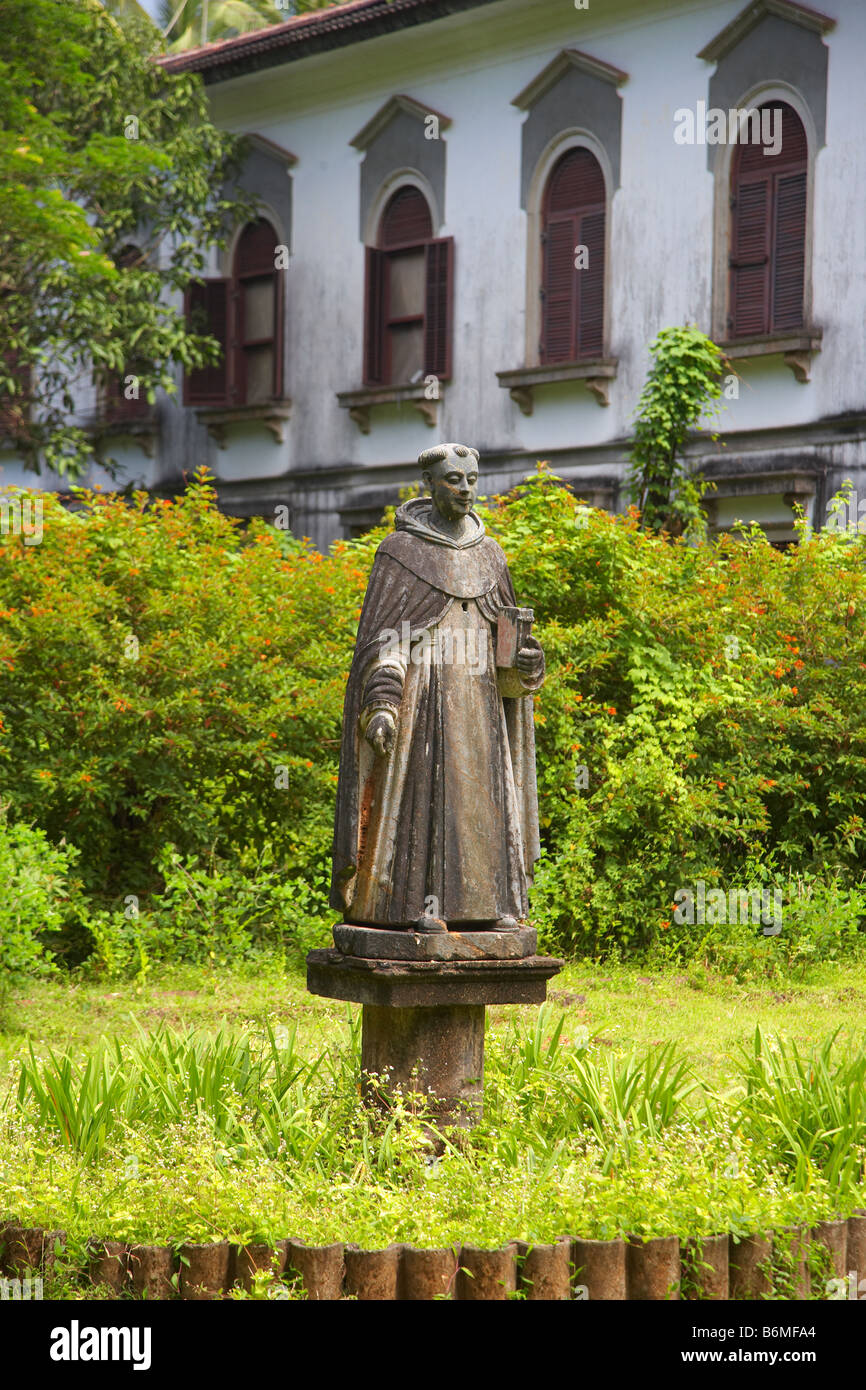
(447, 823)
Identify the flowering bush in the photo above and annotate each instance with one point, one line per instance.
(169, 677)
(703, 716)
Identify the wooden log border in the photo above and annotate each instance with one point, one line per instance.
(723, 1267)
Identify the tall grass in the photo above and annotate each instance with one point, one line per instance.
(546, 1101)
(808, 1108)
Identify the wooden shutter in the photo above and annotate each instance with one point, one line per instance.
(590, 284)
(207, 313)
(406, 220)
(255, 253)
(572, 317)
(750, 258)
(118, 407)
(768, 232)
(559, 290)
(374, 316)
(13, 409)
(438, 307)
(250, 338)
(789, 251)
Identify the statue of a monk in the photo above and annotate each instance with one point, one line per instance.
(436, 823)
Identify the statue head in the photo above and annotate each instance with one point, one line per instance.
(450, 472)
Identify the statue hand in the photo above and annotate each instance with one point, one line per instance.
(530, 660)
(381, 733)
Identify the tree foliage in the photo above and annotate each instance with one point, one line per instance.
(101, 151)
(183, 25)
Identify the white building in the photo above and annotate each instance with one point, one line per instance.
(478, 213)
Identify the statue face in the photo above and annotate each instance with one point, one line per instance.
(453, 484)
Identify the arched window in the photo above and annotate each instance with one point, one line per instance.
(572, 241)
(256, 285)
(122, 399)
(768, 230)
(407, 314)
(244, 313)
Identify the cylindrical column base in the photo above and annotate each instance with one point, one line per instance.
(435, 1050)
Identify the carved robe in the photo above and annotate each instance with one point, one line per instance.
(447, 822)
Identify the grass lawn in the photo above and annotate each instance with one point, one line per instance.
(590, 1128)
(616, 1007)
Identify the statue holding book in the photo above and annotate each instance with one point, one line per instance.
(436, 824)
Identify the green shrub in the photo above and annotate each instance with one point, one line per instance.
(213, 912)
(703, 717)
(169, 678)
(35, 899)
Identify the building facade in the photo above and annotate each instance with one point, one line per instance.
(476, 215)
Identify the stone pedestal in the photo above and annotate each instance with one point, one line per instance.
(436, 1050)
(424, 1003)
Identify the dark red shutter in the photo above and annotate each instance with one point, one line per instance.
(590, 282)
(207, 314)
(438, 306)
(118, 407)
(374, 316)
(576, 181)
(13, 408)
(406, 220)
(254, 262)
(279, 334)
(750, 258)
(789, 251)
(768, 232)
(572, 317)
(255, 253)
(559, 296)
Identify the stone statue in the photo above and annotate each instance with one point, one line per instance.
(436, 823)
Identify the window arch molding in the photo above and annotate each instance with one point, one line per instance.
(245, 309)
(401, 178)
(756, 96)
(408, 294)
(572, 139)
(264, 212)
